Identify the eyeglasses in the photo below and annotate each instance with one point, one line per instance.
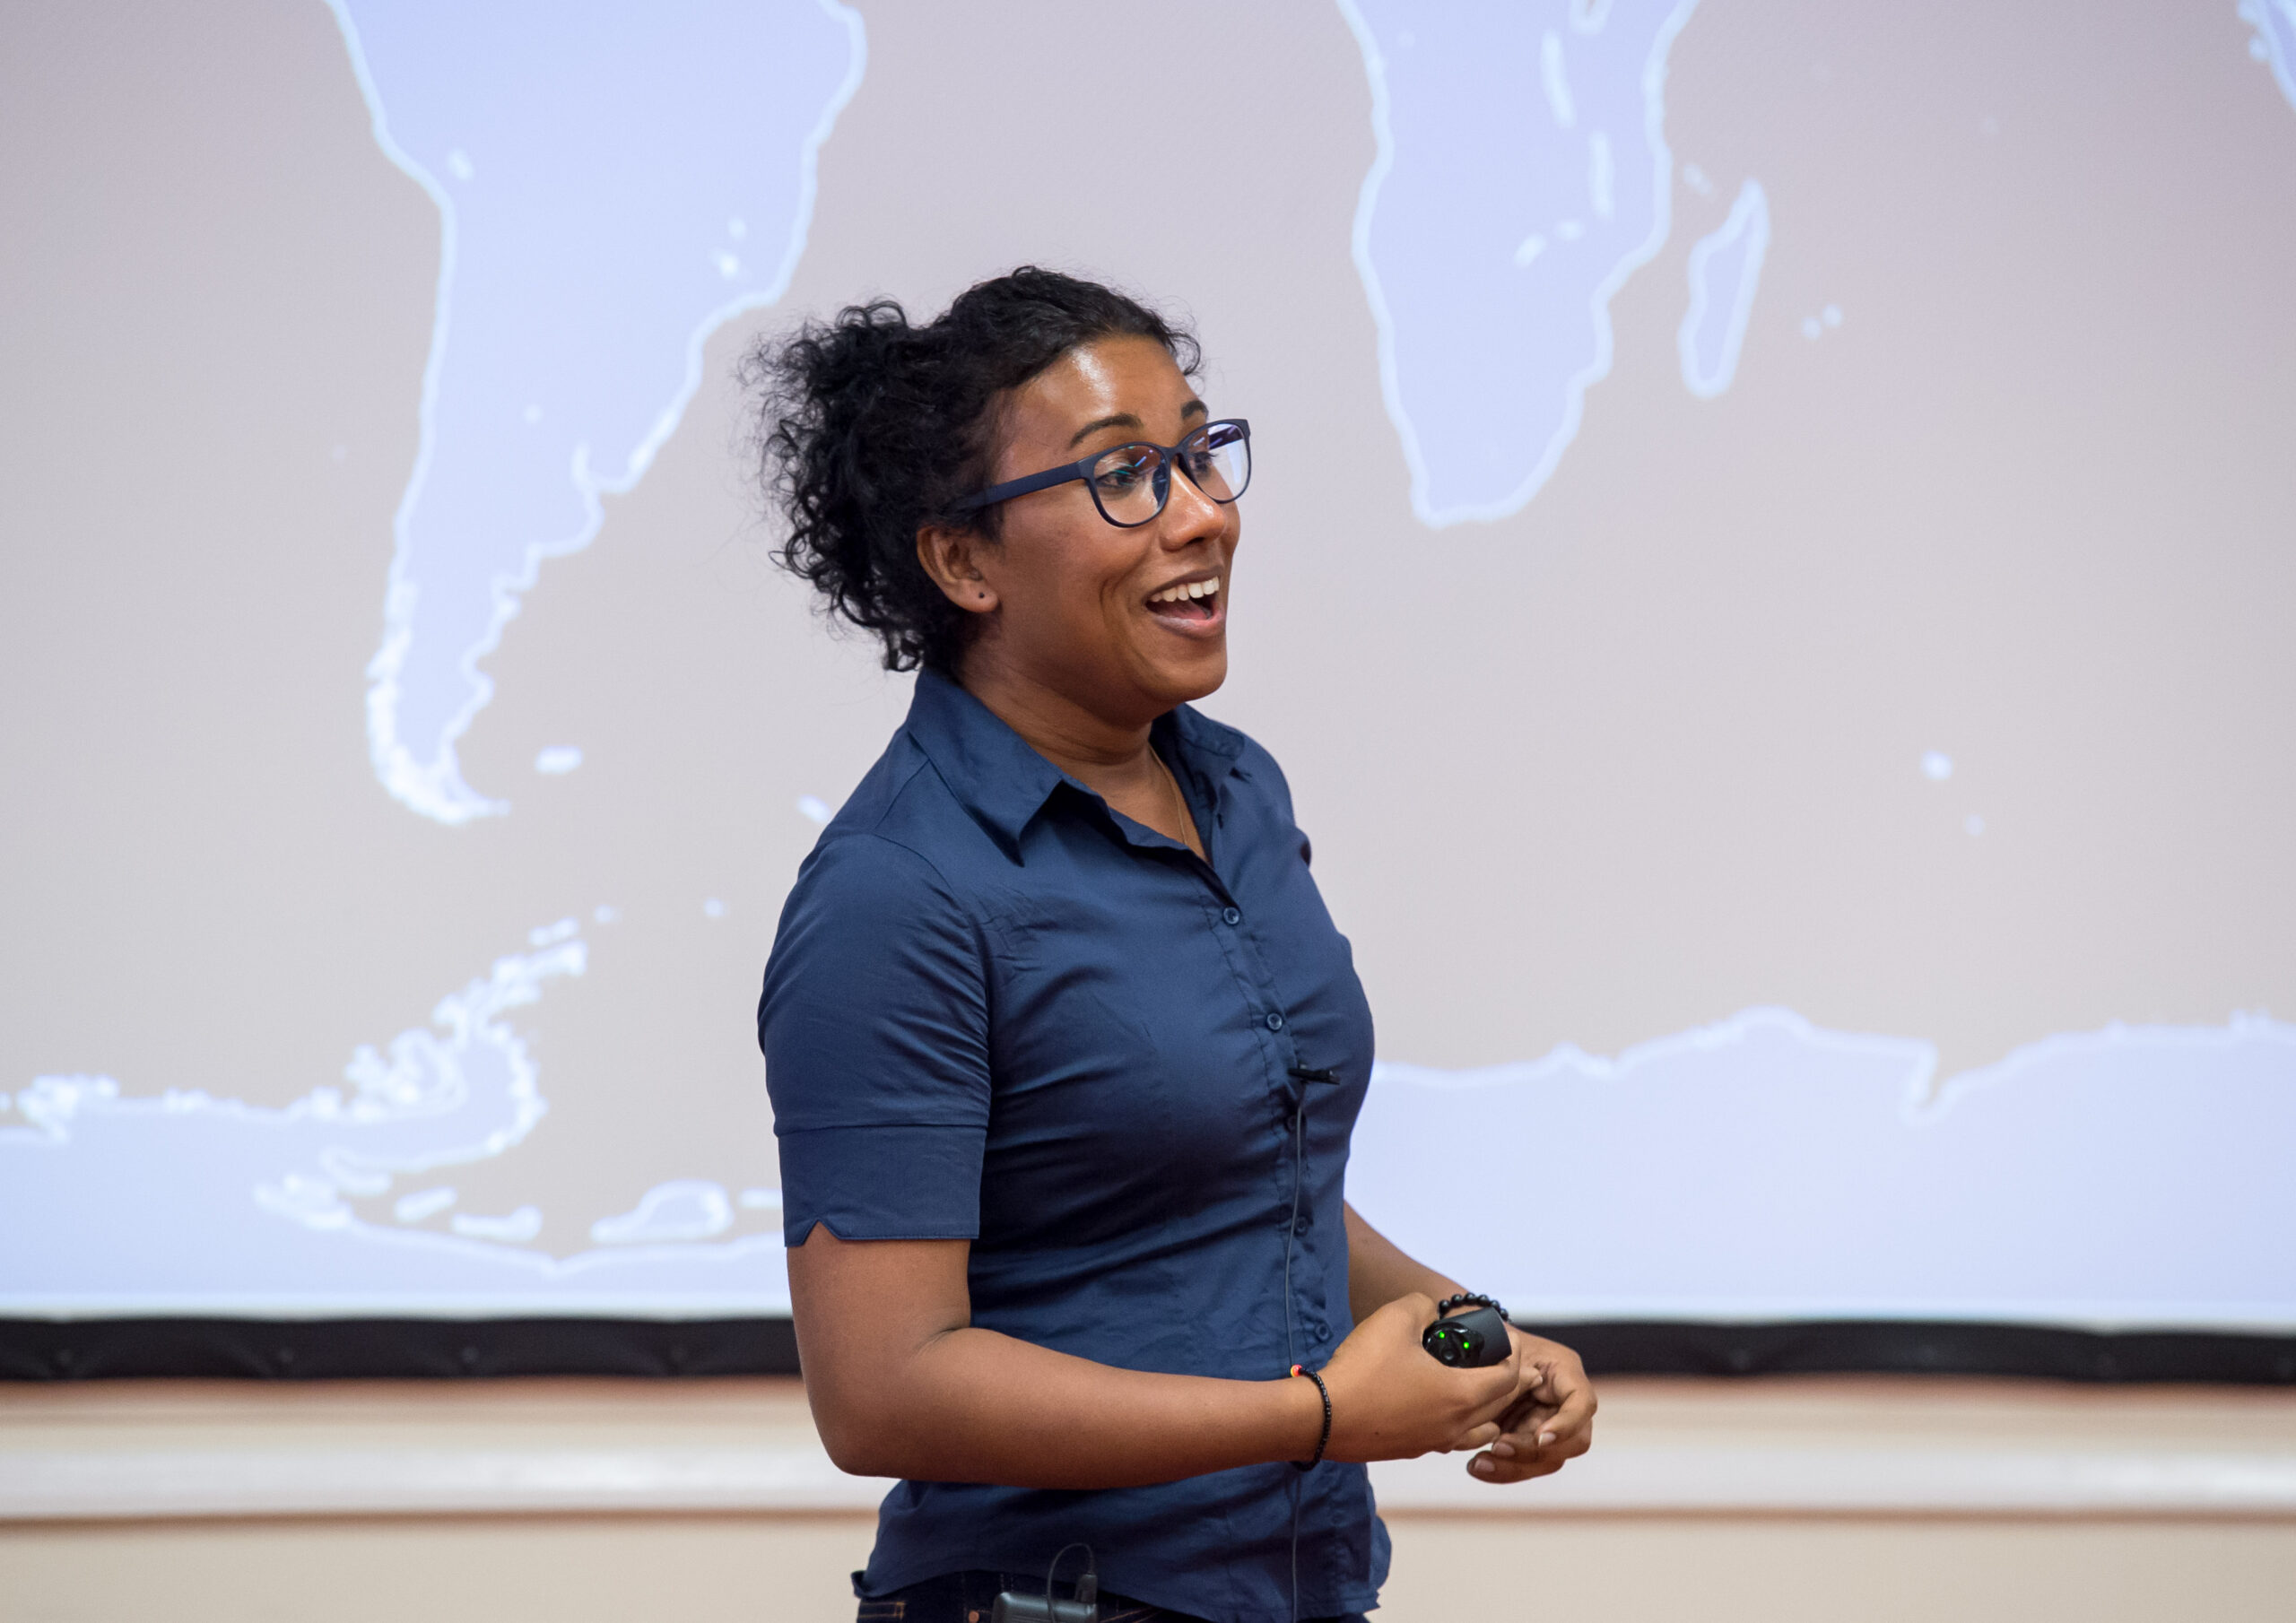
(1130, 483)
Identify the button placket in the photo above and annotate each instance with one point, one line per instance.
(1257, 988)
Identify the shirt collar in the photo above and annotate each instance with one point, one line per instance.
(1004, 783)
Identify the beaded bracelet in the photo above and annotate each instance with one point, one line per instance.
(1469, 1299)
(1324, 1441)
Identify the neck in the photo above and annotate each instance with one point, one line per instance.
(1097, 749)
(1107, 754)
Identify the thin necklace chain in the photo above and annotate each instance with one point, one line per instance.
(1179, 800)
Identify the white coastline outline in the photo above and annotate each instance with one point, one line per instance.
(2278, 52)
(1923, 1103)
(1926, 1098)
(511, 1227)
(1750, 211)
(1919, 1055)
(49, 1102)
(644, 1225)
(437, 790)
(1654, 81)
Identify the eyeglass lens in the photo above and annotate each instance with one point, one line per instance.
(1132, 482)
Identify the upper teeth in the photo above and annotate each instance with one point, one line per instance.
(1185, 590)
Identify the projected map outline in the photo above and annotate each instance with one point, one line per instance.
(2103, 1196)
(1725, 274)
(2274, 41)
(277, 1190)
(563, 286)
(1464, 222)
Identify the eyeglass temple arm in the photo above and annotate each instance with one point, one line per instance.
(1079, 469)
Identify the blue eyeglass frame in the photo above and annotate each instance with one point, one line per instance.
(1167, 457)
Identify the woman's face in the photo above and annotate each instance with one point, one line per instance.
(1077, 605)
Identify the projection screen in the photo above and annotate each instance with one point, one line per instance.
(1770, 571)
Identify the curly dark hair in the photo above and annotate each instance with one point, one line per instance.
(869, 426)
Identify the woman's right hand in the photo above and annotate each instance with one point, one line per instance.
(1391, 1401)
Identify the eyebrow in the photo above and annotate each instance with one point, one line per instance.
(1125, 420)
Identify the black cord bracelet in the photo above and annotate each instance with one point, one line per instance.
(1469, 1299)
(1324, 1441)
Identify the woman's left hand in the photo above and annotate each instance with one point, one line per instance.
(1552, 1420)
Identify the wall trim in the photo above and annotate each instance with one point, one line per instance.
(1622, 1478)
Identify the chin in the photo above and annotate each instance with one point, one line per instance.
(1183, 681)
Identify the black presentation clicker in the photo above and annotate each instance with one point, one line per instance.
(1473, 1340)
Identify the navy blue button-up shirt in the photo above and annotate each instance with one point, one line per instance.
(998, 1010)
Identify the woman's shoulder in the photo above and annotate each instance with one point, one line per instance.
(885, 801)
(900, 842)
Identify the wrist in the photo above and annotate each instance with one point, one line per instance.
(1300, 1408)
(1323, 1399)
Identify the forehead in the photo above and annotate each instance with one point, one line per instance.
(1124, 377)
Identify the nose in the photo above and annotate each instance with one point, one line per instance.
(1190, 516)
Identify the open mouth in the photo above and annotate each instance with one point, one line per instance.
(1187, 601)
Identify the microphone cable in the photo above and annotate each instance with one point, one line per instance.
(1302, 1075)
(1290, 1345)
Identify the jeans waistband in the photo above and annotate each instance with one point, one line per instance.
(967, 1597)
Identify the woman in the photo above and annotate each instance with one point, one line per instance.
(1063, 1047)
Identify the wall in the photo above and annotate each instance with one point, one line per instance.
(580, 1500)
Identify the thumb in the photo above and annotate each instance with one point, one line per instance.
(1497, 1386)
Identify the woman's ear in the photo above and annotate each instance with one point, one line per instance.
(951, 557)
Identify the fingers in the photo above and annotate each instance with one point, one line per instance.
(1534, 1372)
(1567, 1387)
(1574, 1416)
(1553, 1378)
(1518, 1456)
(1527, 1422)
(1488, 1467)
(1551, 1424)
(1485, 1436)
(1496, 1387)
(1499, 1393)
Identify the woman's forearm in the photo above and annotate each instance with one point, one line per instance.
(1378, 1271)
(976, 1406)
(903, 1386)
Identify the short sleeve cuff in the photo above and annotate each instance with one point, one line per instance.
(892, 1181)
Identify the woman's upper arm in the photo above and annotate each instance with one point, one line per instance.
(864, 1308)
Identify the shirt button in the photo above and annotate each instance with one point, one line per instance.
(1234, 915)
(1274, 1020)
